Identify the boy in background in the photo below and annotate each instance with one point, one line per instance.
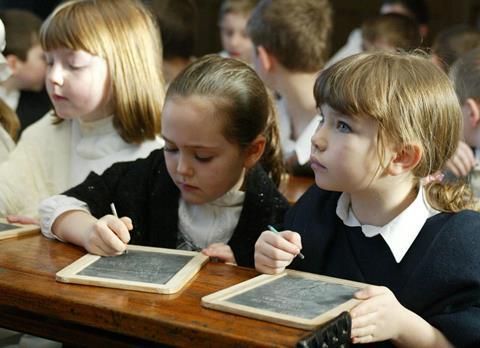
(390, 31)
(24, 90)
(177, 29)
(233, 18)
(451, 43)
(291, 40)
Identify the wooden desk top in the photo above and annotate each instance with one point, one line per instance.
(295, 186)
(32, 301)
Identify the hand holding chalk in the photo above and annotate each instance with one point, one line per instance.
(272, 229)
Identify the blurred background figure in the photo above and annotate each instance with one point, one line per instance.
(390, 31)
(233, 18)
(177, 21)
(9, 123)
(24, 91)
(415, 9)
(451, 43)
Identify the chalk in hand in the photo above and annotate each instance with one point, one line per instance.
(271, 228)
(114, 212)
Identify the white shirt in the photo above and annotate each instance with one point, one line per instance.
(353, 46)
(11, 98)
(214, 222)
(302, 146)
(50, 158)
(400, 233)
(6, 144)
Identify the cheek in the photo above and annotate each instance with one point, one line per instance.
(171, 164)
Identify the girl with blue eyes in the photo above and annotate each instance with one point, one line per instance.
(106, 87)
(212, 188)
(379, 213)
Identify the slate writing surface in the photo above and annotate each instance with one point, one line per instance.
(7, 227)
(140, 266)
(297, 296)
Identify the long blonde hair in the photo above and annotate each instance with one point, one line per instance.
(413, 102)
(125, 35)
(241, 99)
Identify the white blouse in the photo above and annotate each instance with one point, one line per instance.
(51, 158)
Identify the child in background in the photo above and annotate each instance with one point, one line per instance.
(453, 42)
(291, 41)
(177, 28)
(9, 123)
(371, 220)
(415, 9)
(465, 73)
(24, 91)
(233, 18)
(447, 47)
(390, 31)
(206, 190)
(107, 90)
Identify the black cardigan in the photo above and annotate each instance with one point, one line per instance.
(144, 191)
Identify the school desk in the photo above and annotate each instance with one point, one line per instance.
(295, 186)
(32, 301)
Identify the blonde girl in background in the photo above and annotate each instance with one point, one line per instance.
(388, 121)
(107, 90)
(212, 188)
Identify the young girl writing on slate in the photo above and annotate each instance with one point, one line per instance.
(106, 87)
(213, 187)
(387, 121)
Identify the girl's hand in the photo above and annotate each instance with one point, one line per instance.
(275, 251)
(22, 219)
(379, 317)
(108, 236)
(221, 251)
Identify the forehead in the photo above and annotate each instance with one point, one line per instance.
(192, 121)
(234, 19)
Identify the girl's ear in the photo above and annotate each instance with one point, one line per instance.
(473, 112)
(266, 59)
(254, 152)
(405, 160)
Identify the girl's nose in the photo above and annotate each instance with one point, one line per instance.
(55, 74)
(183, 167)
(319, 140)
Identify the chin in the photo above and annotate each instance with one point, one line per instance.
(194, 199)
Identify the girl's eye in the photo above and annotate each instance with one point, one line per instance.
(203, 158)
(170, 149)
(343, 127)
(74, 67)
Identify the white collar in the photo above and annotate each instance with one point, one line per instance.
(400, 233)
(213, 222)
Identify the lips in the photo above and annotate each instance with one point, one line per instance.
(315, 164)
(57, 97)
(187, 187)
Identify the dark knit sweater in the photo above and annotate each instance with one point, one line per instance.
(144, 191)
(438, 278)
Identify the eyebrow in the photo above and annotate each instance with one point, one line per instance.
(194, 146)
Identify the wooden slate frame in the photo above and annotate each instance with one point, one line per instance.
(17, 230)
(70, 274)
(220, 300)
